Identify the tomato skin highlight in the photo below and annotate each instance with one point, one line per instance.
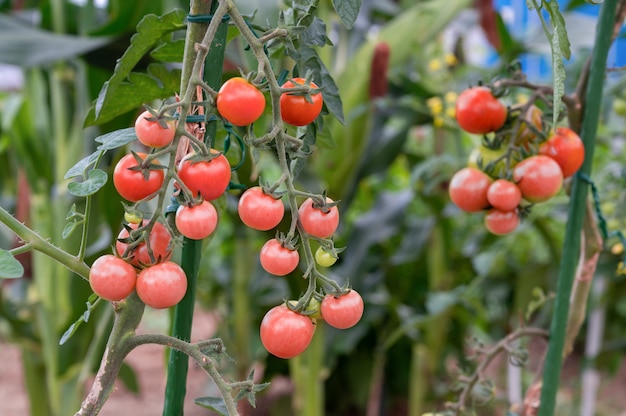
(317, 222)
(285, 333)
(468, 189)
(196, 222)
(259, 210)
(479, 112)
(342, 312)
(209, 178)
(538, 177)
(112, 278)
(130, 184)
(151, 134)
(162, 285)
(159, 238)
(501, 222)
(504, 195)
(566, 148)
(295, 109)
(240, 102)
(278, 260)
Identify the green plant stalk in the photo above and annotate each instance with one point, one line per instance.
(576, 210)
(241, 307)
(306, 370)
(176, 385)
(418, 384)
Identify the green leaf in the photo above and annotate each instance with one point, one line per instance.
(10, 267)
(169, 51)
(558, 25)
(115, 139)
(82, 165)
(92, 302)
(95, 180)
(311, 60)
(69, 228)
(213, 403)
(558, 69)
(129, 378)
(348, 10)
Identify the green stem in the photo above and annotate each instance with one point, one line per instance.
(576, 211)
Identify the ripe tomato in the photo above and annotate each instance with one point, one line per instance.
(295, 109)
(131, 184)
(240, 102)
(162, 285)
(285, 333)
(500, 222)
(344, 311)
(468, 189)
(504, 195)
(209, 178)
(160, 239)
(316, 222)
(479, 112)
(566, 148)
(151, 133)
(538, 177)
(277, 259)
(324, 258)
(491, 161)
(196, 222)
(112, 278)
(259, 210)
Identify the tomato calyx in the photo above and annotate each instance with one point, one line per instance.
(138, 235)
(145, 164)
(158, 117)
(290, 243)
(322, 203)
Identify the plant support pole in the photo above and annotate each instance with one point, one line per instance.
(576, 210)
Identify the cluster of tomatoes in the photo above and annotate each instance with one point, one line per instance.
(516, 166)
(143, 248)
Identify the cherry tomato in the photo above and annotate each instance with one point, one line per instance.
(160, 239)
(343, 311)
(112, 278)
(151, 133)
(240, 102)
(316, 222)
(468, 189)
(132, 217)
(500, 222)
(131, 184)
(162, 285)
(196, 222)
(277, 259)
(209, 178)
(538, 177)
(504, 195)
(324, 258)
(490, 161)
(526, 134)
(259, 210)
(285, 333)
(479, 112)
(295, 109)
(566, 148)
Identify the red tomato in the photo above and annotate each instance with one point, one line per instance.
(240, 102)
(316, 222)
(468, 189)
(160, 239)
(151, 133)
(285, 333)
(479, 112)
(566, 148)
(131, 184)
(344, 311)
(162, 285)
(538, 177)
(501, 222)
(209, 178)
(196, 222)
(504, 195)
(277, 259)
(295, 109)
(259, 210)
(112, 278)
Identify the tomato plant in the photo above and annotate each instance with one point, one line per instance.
(491, 161)
(298, 109)
(112, 278)
(468, 189)
(479, 112)
(162, 285)
(132, 181)
(321, 222)
(285, 333)
(324, 257)
(277, 259)
(504, 195)
(159, 239)
(196, 221)
(259, 210)
(566, 148)
(501, 222)
(209, 178)
(530, 124)
(342, 311)
(240, 102)
(538, 177)
(154, 133)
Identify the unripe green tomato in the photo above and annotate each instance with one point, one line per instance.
(132, 218)
(312, 310)
(324, 258)
(483, 156)
(619, 107)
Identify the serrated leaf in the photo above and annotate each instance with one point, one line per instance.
(69, 229)
(213, 403)
(10, 267)
(315, 34)
(348, 10)
(115, 139)
(170, 51)
(82, 165)
(95, 180)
